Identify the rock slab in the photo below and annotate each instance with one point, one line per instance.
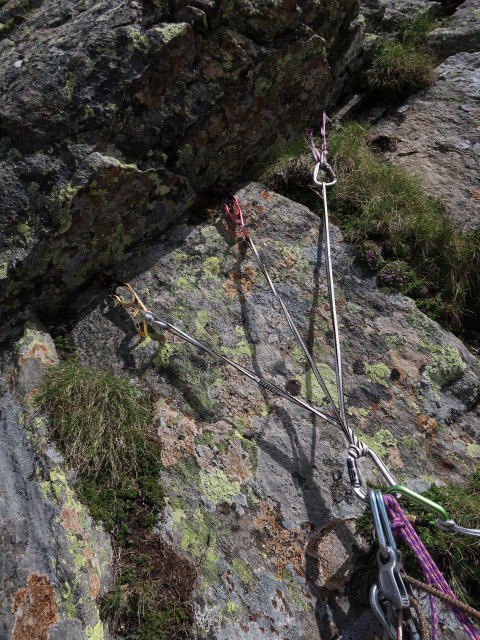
(258, 491)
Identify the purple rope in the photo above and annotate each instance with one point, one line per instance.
(401, 526)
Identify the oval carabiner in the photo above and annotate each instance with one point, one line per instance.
(329, 172)
(354, 473)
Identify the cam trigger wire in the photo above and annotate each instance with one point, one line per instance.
(237, 217)
(262, 382)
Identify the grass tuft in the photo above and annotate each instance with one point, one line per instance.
(399, 69)
(403, 65)
(104, 428)
(101, 422)
(374, 201)
(415, 30)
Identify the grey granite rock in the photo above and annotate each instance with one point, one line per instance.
(460, 32)
(54, 562)
(436, 136)
(258, 489)
(119, 115)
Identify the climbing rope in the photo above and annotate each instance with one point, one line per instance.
(452, 601)
(402, 527)
(424, 628)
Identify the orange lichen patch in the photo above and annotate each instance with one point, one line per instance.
(243, 282)
(236, 462)
(406, 365)
(243, 403)
(177, 434)
(34, 609)
(30, 395)
(333, 547)
(430, 425)
(230, 288)
(94, 585)
(476, 195)
(38, 351)
(288, 261)
(266, 195)
(283, 546)
(70, 520)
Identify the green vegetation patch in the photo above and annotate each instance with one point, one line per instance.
(403, 65)
(397, 229)
(104, 427)
(376, 202)
(399, 69)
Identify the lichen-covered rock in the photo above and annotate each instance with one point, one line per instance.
(117, 116)
(258, 491)
(461, 32)
(398, 11)
(435, 135)
(54, 562)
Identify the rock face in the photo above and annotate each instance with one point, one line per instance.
(258, 490)
(54, 563)
(117, 116)
(398, 11)
(436, 136)
(460, 33)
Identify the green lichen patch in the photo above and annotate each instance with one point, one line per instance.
(242, 348)
(201, 320)
(199, 539)
(84, 556)
(414, 441)
(295, 597)
(361, 412)
(212, 266)
(473, 450)
(216, 486)
(232, 610)
(378, 373)
(169, 31)
(243, 571)
(446, 366)
(381, 442)
(312, 391)
(164, 352)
